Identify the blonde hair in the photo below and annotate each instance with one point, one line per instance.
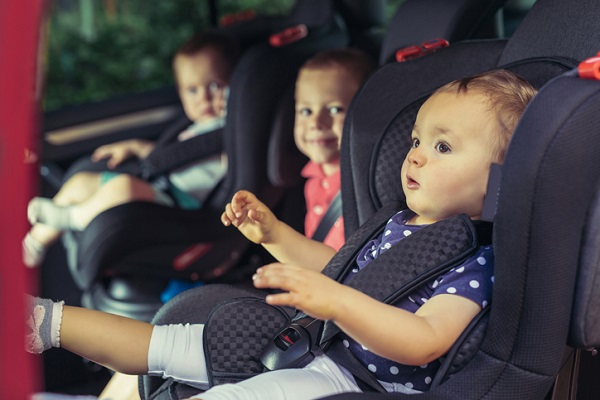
(508, 95)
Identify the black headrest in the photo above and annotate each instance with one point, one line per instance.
(417, 21)
(556, 28)
(361, 14)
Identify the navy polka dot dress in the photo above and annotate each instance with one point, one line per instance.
(473, 280)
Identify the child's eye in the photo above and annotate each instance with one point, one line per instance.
(415, 143)
(213, 87)
(443, 147)
(191, 89)
(305, 112)
(335, 110)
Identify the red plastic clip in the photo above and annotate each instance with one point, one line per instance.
(231, 19)
(590, 68)
(414, 51)
(289, 35)
(191, 255)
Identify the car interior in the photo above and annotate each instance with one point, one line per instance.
(538, 340)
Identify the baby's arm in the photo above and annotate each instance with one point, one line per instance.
(393, 333)
(258, 223)
(118, 152)
(116, 342)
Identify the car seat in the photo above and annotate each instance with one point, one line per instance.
(546, 269)
(519, 353)
(124, 258)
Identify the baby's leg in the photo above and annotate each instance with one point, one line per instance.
(77, 189)
(322, 377)
(117, 342)
(119, 190)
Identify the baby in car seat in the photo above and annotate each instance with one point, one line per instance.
(202, 68)
(462, 129)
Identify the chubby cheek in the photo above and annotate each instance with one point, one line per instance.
(299, 129)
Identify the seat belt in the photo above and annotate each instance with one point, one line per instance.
(334, 211)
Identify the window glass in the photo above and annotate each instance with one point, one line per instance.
(262, 7)
(100, 49)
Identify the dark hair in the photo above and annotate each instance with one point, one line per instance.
(358, 63)
(226, 45)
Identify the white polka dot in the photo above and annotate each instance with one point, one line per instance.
(355, 270)
(423, 366)
(435, 284)
(474, 284)
(411, 299)
(387, 232)
(451, 290)
(407, 232)
(492, 279)
(374, 253)
(346, 343)
(423, 299)
(409, 385)
(481, 260)
(318, 210)
(460, 270)
(387, 245)
(364, 348)
(484, 304)
(427, 380)
(394, 370)
(372, 368)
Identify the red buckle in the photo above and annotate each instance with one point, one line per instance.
(231, 19)
(590, 68)
(190, 255)
(288, 35)
(414, 51)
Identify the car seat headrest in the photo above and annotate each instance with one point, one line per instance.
(556, 27)
(285, 161)
(360, 14)
(311, 12)
(585, 320)
(417, 21)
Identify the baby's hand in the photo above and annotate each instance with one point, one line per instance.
(118, 152)
(310, 291)
(250, 216)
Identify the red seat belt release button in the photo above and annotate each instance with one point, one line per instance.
(590, 68)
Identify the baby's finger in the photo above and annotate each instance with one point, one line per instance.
(229, 214)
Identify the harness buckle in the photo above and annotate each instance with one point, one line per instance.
(294, 346)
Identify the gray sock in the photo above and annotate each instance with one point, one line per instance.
(45, 211)
(34, 252)
(42, 325)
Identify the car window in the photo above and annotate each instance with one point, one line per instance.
(98, 50)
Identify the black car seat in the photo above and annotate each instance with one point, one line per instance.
(521, 352)
(126, 255)
(546, 236)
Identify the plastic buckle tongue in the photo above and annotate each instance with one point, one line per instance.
(294, 346)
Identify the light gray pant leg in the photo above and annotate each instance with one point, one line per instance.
(176, 351)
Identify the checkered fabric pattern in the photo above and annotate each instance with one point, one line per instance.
(235, 335)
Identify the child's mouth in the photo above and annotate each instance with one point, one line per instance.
(324, 142)
(411, 183)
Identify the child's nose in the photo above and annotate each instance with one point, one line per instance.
(321, 120)
(416, 156)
